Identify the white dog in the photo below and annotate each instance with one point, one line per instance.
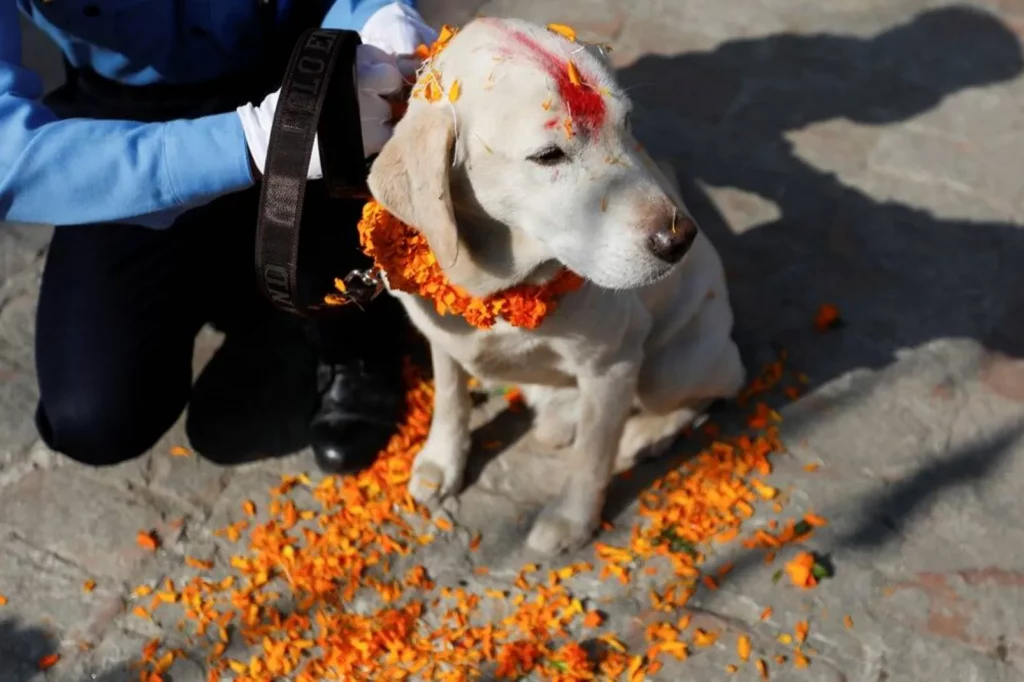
(532, 168)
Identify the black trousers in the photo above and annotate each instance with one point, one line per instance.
(120, 305)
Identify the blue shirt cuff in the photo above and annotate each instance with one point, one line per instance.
(206, 157)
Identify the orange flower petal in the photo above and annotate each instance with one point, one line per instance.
(563, 30)
(743, 647)
(147, 540)
(574, 74)
(48, 661)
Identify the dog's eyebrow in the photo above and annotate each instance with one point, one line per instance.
(585, 104)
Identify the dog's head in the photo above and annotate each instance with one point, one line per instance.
(532, 162)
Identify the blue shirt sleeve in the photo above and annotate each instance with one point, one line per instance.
(352, 14)
(76, 171)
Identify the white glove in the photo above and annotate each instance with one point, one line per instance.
(377, 76)
(398, 30)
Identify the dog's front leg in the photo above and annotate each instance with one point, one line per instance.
(605, 399)
(439, 467)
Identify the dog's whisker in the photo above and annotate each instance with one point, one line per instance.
(484, 143)
(455, 124)
(638, 85)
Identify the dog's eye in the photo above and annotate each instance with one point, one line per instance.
(549, 156)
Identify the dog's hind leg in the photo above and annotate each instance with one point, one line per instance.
(702, 363)
(677, 387)
(648, 435)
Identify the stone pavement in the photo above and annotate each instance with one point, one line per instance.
(863, 153)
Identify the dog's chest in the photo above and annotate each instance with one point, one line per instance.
(514, 356)
(502, 354)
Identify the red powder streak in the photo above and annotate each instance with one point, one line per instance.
(586, 106)
(551, 124)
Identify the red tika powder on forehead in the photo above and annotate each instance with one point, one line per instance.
(585, 104)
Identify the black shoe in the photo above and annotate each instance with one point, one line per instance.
(360, 409)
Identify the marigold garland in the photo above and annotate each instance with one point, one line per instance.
(404, 255)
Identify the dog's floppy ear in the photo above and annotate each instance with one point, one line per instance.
(410, 177)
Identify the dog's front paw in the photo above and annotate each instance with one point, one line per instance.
(555, 532)
(436, 473)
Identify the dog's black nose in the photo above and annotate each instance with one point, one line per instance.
(671, 242)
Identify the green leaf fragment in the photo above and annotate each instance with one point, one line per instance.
(802, 528)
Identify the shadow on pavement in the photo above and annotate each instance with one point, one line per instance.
(900, 276)
(885, 513)
(21, 648)
(888, 511)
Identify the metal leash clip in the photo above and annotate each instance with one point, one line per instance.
(360, 287)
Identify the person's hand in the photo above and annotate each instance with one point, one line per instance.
(377, 77)
(398, 30)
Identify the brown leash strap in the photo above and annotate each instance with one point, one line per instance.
(318, 98)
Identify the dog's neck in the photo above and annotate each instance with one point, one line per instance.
(493, 256)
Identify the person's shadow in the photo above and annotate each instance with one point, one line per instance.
(900, 276)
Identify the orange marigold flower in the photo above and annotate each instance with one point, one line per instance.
(827, 317)
(147, 540)
(801, 570)
(48, 661)
(805, 571)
